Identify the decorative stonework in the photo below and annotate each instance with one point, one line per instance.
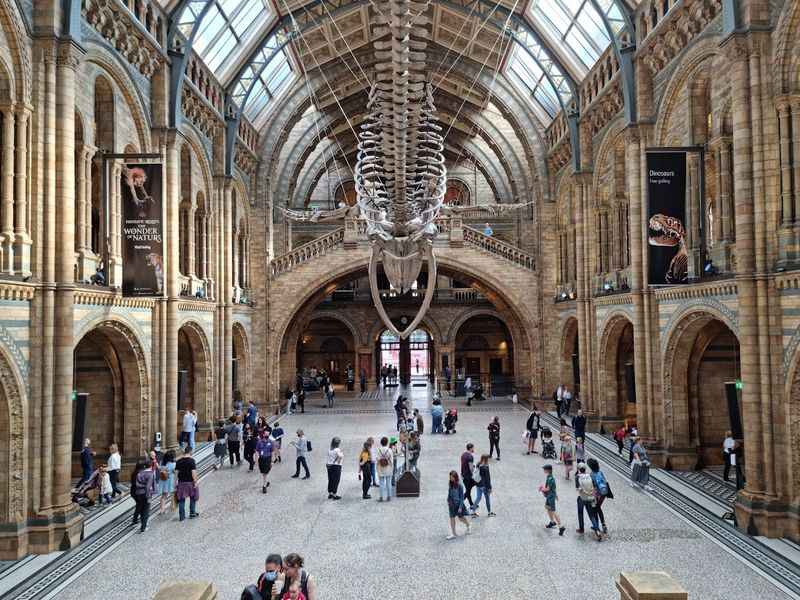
(8, 342)
(199, 112)
(199, 334)
(17, 35)
(12, 390)
(604, 326)
(702, 306)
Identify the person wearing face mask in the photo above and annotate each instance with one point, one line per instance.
(270, 582)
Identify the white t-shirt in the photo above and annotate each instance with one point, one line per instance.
(114, 462)
(335, 457)
(729, 444)
(188, 422)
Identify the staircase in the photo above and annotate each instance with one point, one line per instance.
(353, 236)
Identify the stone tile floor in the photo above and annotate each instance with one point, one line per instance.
(362, 549)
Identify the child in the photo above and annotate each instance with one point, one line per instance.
(294, 593)
(549, 492)
(567, 454)
(420, 422)
(580, 450)
(619, 437)
(105, 485)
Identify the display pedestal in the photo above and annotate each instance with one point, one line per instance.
(408, 485)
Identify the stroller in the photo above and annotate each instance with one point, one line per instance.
(548, 447)
(86, 493)
(450, 421)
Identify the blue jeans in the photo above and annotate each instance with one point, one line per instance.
(591, 511)
(385, 482)
(374, 474)
(483, 493)
(437, 424)
(182, 507)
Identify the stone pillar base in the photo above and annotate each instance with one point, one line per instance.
(610, 424)
(680, 459)
(22, 255)
(13, 541)
(763, 515)
(58, 532)
(649, 585)
(195, 590)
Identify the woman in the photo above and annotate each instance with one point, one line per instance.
(567, 454)
(233, 431)
(414, 449)
(494, 437)
(603, 490)
(365, 469)
(143, 485)
(728, 450)
(220, 445)
(532, 426)
(301, 400)
(484, 486)
(166, 479)
(264, 451)
(437, 412)
(640, 473)
(113, 468)
(385, 469)
(455, 505)
(334, 466)
(373, 454)
(250, 441)
(295, 574)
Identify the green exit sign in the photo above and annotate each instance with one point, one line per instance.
(74, 395)
(738, 384)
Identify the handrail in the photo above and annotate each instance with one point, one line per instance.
(302, 254)
(499, 248)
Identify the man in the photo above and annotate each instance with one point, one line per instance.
(362, 380)
(87, 461)
(270, 582)
(468, 390)
(447, 377)
(558, 397)
(301, 446)
(467, 465)
(252, 413)
(188, 428)
(579, 425)
(186, 468)
(384, 374)
(567, 401)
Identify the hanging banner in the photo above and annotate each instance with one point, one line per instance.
(666, 218)
(142, 231)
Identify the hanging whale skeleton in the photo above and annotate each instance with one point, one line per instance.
(400, 174)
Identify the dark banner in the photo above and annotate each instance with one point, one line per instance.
(142, 231)
(666, 218)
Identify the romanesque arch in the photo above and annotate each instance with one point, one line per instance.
(110, 366)
(569, 373)
(194, 359)
(12, 441)
(616, 364)
(241, 362)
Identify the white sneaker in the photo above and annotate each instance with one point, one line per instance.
(450, 537)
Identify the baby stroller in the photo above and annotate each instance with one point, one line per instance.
(548, 447)
(450, 421)
(85, 494)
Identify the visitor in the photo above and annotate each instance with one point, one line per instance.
(468, 390)
(330, 394)
(188, 429)
(550, 497)
(532, 426)
(365, 470)
(154, 462)
(494, 437)
(114, 467)
(264, 451)
(301, 400)
(252, 413)
(586, 500)
(487, 230)
(484, 486)
(414, 449)
(384, 374)
(420, 424)
(603, 490)
(104, 483)
(437, 412)
(640, 473)
(567, 454)
(277, 439)
(270, 582)
(351, 378)
(579, 424)
(302, 447)
(385, 470)
(166, 480)
(143, 486)
(567, 402)
(250, 440)
(467, 466)
(633, 433)
(233, 433)
(728, 454)
(362, 380)
(417, 366)
(220, 445)
(295, 574)
(334, 467)
(580, 450)
(400, 411)
(455, 505)
(87, 461)
(558, 398)
(186, 468)
(619, 437)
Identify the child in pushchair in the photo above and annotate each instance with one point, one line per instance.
(548, 447)
(450, 421)
(87, 491)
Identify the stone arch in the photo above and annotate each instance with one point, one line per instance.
(15, 32)
(359, 341)
(118, 342)
(427, 323)
(202, 374)
(687, 342)
(568, 373)
(199, 154)
(105, 135)
(616, 326)
(685, 71)
(787, 49)
(241, 355)
(792, 419)
(12, 440)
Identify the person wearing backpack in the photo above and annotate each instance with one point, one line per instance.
(484, 483)
(297, 575)
(143, 486)
(166, 479)
(586, 500)
(603, 489)
(302, 446)
(385, 470)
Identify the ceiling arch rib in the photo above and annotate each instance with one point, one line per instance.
(311, 15)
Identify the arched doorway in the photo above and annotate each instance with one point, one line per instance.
(704, 389)
(619, 376)
(413, 357)
(111, 391)
(194, 375)
(570, 357)
(327, 345)
(241, 363)
(484, 351)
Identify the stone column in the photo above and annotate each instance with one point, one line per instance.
(114, 221)
(87, 220)
(785, 128)
(695, 216)
(226, 276)
(7, 200)
(190, 242)
(172, 256)
(234, 247)
(795, 109)
(22, 237)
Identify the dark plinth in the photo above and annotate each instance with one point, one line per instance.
(408, 485)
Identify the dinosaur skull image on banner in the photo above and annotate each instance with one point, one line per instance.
(666, 215)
